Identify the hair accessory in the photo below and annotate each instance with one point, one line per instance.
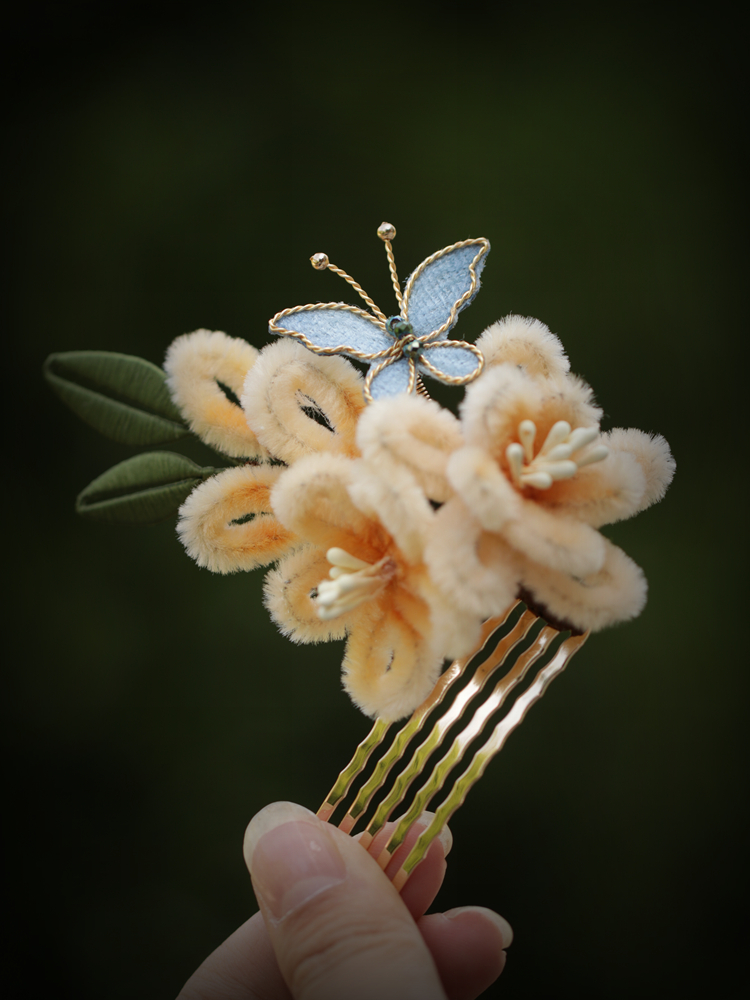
(379, 797)
(405, 530)
(405, 346)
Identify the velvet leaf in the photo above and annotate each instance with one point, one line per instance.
(145, 489)
(123, 397)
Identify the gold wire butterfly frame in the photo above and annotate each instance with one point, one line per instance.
(403, 345)
(502, 637)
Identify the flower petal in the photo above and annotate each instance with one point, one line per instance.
(554, 540)
(414, 433)
(601, 493)
(226, 524)
(475, 476)
(442, 286)
(299, 403)
(334, 328)
(312, 499)
(502, 397)
(389, 667)
(527, 343)
(289, 593)
(397, 501)
(197, 365)
(653, 455)
(476, 570)
(617, 592)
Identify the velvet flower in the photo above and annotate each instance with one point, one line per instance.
(361, 574)
(534, 480)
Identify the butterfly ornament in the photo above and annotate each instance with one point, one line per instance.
(399, 348)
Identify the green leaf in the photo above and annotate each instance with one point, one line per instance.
(123, 397)
(145, 489)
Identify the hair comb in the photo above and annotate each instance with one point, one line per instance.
(417, 535)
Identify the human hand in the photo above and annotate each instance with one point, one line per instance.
(332, 926)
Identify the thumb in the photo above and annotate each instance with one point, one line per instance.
(338, 927)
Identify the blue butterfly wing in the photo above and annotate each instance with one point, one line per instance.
(443, 285)
(391, 380)
(333, 328)
(456, 361)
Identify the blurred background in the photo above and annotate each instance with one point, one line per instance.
(173, 166)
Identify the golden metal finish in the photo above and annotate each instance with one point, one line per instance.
(319, 261)
(386, 231)
(515, 653)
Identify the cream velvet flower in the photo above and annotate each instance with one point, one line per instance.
(292, 404)
(533, 481)
(361, 575)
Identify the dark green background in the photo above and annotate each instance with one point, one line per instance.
(174, 166)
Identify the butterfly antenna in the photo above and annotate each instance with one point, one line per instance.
(387, 232)
(321, 262)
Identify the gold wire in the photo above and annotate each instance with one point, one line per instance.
(394, 276)
(390, 355)
(359, 290)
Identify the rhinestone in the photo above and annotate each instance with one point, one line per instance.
(319, 261)
(386, 231)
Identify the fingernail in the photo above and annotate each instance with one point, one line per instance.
(445, 836)
(501, 923)
(291, 857)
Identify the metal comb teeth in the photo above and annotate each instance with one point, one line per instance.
(510, 646)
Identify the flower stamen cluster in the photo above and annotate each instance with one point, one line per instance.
(353, 581)
(558, 458)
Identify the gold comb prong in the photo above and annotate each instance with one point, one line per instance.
(484, 755)
(532, 648)
(411, 728)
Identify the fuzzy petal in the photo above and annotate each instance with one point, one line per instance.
(601, 493)
(212, 526)
(389, 667)
(299, 403)
(501, 398)
(414, 433)
(616, 593)
(289, 592)
(652, 453)
(197, 364)
(476, 570)
(312, 499)
(554, 540)
(397, 501)
(528, 343)
(484, 489)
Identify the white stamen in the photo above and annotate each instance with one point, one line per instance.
(560, 470)
(582, 436)
(555, 459)
(514, 454)
(539, 480)
(527, 434)
(597, 454)
(340, 557)
(353, 581)
(558, 433)
(559, 453)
